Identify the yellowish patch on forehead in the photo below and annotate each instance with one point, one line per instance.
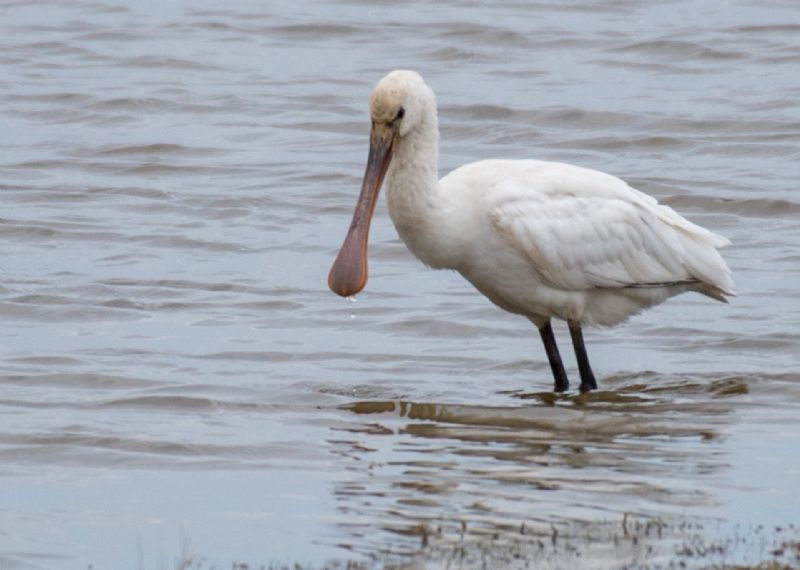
(386, 100)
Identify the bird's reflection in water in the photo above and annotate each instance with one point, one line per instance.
(650, 449)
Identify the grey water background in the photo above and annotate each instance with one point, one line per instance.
(176, 379)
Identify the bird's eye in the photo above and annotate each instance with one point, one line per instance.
(400, 113)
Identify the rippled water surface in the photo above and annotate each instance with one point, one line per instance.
(178, 383)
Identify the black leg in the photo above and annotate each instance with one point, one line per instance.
(587, 376)
(550, 346)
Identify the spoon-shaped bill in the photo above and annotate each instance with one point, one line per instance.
(348, 275)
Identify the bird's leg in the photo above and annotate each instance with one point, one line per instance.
(550, 346)
(587, 376)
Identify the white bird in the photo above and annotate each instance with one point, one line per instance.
(540, 239)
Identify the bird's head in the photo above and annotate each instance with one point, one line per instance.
(399, 104)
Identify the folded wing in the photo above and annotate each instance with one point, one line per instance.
(609, 235)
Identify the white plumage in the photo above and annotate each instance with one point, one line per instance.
(581, 238)
(539, 239)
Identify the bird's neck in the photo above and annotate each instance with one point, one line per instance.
(412, 192)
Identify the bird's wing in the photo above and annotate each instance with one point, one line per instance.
(583, 229)
(583, 243)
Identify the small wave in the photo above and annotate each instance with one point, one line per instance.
(674, 67)
(183, 242)
(495, 112)
(27, 230)
(139, 104)
(151, 149)
(317, 31)
(87, 381)
(166, 402)
(46, 360)
(428, 328)
(613, 143)
(66, 98)
(476, 33)
(215, 286)
(179, 403)
(160, 61)
(452, 53)
(115, 36)
(767, 29)
(756, 207)
(35, 299)
(163, 306)
(576, 117)
(667, 49)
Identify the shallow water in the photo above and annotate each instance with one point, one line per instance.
(177, 381)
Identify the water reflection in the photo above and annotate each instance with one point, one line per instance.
(651, 447)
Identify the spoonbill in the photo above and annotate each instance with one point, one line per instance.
(540, 239)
